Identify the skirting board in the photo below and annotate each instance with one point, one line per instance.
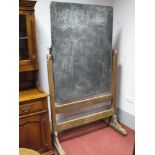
(126, 118)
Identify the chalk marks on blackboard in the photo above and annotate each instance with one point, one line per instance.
(82, 41)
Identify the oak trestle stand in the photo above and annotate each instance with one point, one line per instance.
(109, 116)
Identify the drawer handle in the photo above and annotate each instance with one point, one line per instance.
(26, 109)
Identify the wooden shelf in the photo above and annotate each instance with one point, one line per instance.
(22, 38)
(26, 68)
(26, 65)
(30, 94)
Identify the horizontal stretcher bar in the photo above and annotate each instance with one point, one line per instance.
(84, 120)
(82, 103)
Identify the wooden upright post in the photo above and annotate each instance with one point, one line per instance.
(52, 104)
(113, 122)
(114, 77)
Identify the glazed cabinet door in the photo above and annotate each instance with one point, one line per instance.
(34, 133)
(26, 41)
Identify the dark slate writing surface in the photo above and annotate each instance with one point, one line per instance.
(82, 49)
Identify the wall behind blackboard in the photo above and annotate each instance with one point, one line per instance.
(82, 50)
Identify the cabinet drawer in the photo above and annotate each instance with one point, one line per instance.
(34, 106)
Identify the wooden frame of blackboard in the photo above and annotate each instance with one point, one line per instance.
(109, 115)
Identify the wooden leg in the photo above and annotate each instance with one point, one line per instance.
(114, 124)
(57, 144)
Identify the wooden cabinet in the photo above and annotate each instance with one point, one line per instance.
(34, 125)
(34, 132)
(27, 38)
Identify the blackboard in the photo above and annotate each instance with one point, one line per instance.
(82, 50)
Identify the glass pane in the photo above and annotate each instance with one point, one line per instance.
(22, 26)
(23, 39)
(23, 49)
